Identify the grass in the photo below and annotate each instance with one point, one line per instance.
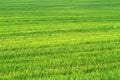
(59, 40)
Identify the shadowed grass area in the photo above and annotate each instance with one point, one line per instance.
(59, 40)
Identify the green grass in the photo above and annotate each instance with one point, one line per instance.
(59, 40)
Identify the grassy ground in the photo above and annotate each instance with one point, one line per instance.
(59, 40)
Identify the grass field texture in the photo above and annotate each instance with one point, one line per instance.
(59, 39)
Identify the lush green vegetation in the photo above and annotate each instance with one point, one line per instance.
(59, 39)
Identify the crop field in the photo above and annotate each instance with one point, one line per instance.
(59, 39)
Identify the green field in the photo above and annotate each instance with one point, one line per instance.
(59, 39)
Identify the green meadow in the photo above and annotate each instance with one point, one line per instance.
(59, 39)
